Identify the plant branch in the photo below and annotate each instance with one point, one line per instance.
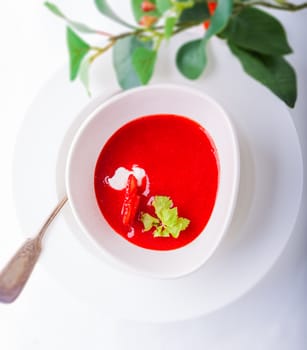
(101, 32)
(155, 30)
(100, 50)
(286, 6)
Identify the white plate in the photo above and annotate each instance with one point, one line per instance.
(268, 202)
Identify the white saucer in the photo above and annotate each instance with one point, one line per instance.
(268, 202)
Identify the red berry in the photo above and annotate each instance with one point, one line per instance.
(148, 21)
(131, 201)
(211, 7)
(206, 24)
(148, 6)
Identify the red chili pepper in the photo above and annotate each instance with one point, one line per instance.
(148, 6)
(131, 201)
(211, 6)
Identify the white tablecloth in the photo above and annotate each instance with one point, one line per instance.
(271, 316)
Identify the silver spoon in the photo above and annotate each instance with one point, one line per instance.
(16, 273)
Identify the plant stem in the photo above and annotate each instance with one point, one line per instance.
(182, 26)
(154, 31)
(186, 25)
(125, 34)
(101, 32)
(286, 6)
(101, 50)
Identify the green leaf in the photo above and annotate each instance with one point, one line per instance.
(191, 59)
(168, 223)
(163, 5)
(54, 9)
(149, 221)
(161, 232)
(199, 12)
(143, 60)
(220, 18)
(170, 23)
(74, 24)
(81, 27)
(78, 48)
(105, 9)
(123, 50)
(169, 216)
(84, 74)
(258, 31)
(272, 71)
(181, 225)
(161, 203)
(174, 231)
(138, 13)
(165, 232)
(218, 21)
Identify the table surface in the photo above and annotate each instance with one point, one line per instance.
(271, 316)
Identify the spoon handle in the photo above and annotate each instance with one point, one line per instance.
(18, 270)
(16, 273)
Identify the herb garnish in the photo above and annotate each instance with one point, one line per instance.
(167, 223)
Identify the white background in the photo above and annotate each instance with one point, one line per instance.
(271, 316)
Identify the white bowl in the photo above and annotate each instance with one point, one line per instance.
(86, 147)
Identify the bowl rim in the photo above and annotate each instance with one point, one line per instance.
(235, 185)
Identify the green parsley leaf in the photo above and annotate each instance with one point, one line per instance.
(161, 232)
(181, 225)
(169, 216)
(149, 221)
(167, 223)
(160, 203)
(174, 231)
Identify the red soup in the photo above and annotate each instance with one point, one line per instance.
(158, 155)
